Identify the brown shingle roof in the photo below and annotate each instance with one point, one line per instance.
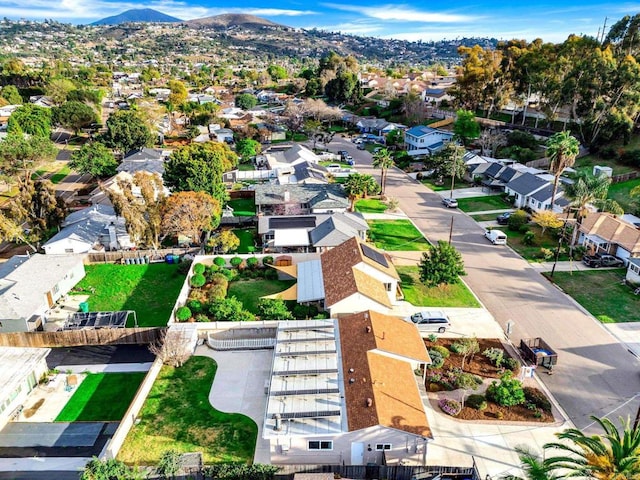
(612, 229)
(341, 279)
(389, 383)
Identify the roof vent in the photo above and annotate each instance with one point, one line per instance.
(352, 380)
(369, 402)
(368, 328)
(351, 370)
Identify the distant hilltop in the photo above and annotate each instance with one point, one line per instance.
(231, 20)
(138, 15)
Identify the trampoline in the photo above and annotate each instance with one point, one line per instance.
(80, 320)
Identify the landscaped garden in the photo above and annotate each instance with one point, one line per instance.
(479, 204)
(371, 205)
(416, 293)
(101, 397)
(399, 235)
(602, 293)
(482, 379)
(150, 290)
(243, 207)
(177, 415)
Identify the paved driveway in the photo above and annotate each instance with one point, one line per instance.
(595, 374)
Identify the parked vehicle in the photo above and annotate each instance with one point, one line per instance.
(602, 260)
(503, 218)
(431, 321)
(538, 352)
(450, 202)
(497, 237)
(360, 146)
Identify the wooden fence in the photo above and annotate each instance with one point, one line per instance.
(76, 338)
(153, 255)
(624, 177)
(287, 472)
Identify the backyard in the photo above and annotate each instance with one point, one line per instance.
(249, 291)
(371, 205)
(243, 207)
(150, 290)
(479, 204)
(247, 237)
(399, 235)
(602, 293)
(416, 293)
(620, 193)
(177, 415)
(101, 397)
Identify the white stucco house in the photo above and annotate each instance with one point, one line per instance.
(30, 286)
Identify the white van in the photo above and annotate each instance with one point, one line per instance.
(497, 237)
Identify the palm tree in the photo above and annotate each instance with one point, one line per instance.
(358, 185)
(533, 467)
(382, 159)
(562, 150)
(611, 456)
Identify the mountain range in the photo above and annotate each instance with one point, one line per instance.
(138, 15)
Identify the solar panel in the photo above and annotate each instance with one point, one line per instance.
(311, 391)
(292, 222)
(374, 255)
(302, 352)
(97, 320)
(312, 371)
(320, 414)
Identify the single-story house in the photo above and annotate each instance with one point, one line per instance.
(286, 159)
(300, 199)
(92, 229)
(22, 369)
(150, 160)
(310, 233)
(377, 126)
(435, 96)
(422, 140)
(219, 134)
(361, 407)
(605, 233)
(30, 286)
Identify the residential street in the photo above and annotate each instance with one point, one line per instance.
(595, 374)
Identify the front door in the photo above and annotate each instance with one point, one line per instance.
(50, 299)
(357, 453)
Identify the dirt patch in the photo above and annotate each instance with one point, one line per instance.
(482, 367)
(30, 412)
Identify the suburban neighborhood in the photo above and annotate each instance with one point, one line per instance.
(252, 267)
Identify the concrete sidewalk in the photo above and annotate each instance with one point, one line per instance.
(397, 215)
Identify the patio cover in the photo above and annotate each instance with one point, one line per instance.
(291, 237)
(291, 270)
(310, 281)
(290, 293)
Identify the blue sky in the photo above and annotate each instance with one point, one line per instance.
(409, 20)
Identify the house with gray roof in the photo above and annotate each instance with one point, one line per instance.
(30, 286)
(145, 159)
(300, 199)
(523, 187)
(310, 233)
(92, 229)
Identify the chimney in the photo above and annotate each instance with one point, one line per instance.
(286, 196)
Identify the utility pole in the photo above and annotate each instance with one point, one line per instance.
(451, 230)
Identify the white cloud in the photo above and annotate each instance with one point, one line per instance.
(403, 13)
(353, 28)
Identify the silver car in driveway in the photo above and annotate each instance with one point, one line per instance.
(431, 321)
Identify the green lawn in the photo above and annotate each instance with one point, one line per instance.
(243, 207)
(371, 205)
(457, 295)
(586, 164)
(247, 238)
(177, 415)
(60, 174)
(484, 217)
(479, 204)
(532, 253)
(396, 235)
(151, 290)
(249, 291)
(446, 184)
(246, 167)
(601, 292)
(620, 193)
(342, 164)
(102, 397)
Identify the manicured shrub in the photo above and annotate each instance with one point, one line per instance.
(436, 359)
(450, 406)
(195, 306)
(517, 219)
(270, 274)
(545, 253)
(198, 294)
(236, 262)
(529, 238)
(432, 337)
(538, 398)
(199, 268)
(512, 364)
(268, 260)
(524, 229)
(477, 402)
(219, 261)
(201, 317)
(508, 392)
(197, 280)
(273, 309)
(441, 350)
(252, 262)
(228, 273)
(216, 292)
(455, 347)
(467, 380)
(183, 314)
(230, 310)
(495, 356)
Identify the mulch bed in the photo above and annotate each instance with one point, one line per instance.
(482, 367)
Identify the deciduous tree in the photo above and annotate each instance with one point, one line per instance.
(273, 309)
(224, 242)
(190, 214)
(37, 205)
(95, 159)
(546, 219)
(19, 153)
(32, 120)
(11, 94)
(246, 101)
(126, 131)
(247, 148)
(441, 265)
(74, 115)
(466, 126)
(58, 90)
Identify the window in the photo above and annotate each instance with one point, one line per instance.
(68, 250)
(382, 446)
(387, 287)
(318, 445)
(56, 289)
